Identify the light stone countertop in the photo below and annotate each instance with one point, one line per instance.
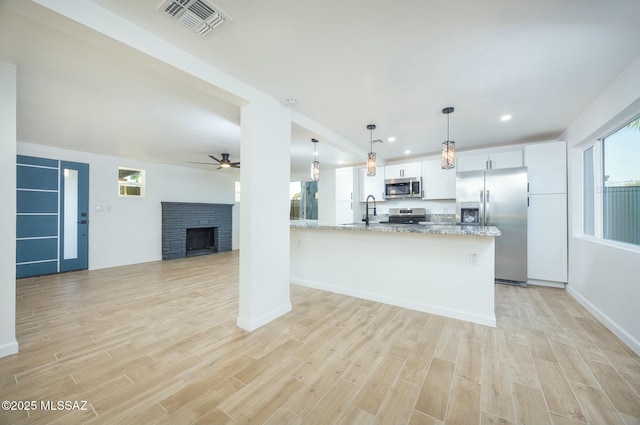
(438, 229)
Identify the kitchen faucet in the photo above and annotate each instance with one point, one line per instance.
(366, 220)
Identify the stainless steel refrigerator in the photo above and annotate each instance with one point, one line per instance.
(498, 198)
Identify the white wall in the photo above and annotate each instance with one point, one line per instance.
(604, 277)
(129, 229)
(8, 342)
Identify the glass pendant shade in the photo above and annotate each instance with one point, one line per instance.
(371, 164)
(371, 156)
(448, 154)
(315, 164)
(448, 160)
(315, 171)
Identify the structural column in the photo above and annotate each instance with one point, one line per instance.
(264, 215)
(8, 342)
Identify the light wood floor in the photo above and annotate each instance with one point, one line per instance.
(157, 344)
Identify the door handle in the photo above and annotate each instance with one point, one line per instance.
(82, 222)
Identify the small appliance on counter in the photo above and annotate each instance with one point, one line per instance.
(407, 215)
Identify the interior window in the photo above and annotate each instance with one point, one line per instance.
(131, 182)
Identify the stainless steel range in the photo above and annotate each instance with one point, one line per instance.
(407, 215)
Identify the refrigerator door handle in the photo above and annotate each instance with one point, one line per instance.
(481, 212)
(487, 209)
(481, 208)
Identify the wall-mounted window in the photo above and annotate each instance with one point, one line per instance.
(611, 182)
(131, 182)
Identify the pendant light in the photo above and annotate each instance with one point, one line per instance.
(449, 146)
(371, 156)
(315, 164)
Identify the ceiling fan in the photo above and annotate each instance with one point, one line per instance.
(223, 163)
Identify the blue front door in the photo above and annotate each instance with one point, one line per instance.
(52, 203)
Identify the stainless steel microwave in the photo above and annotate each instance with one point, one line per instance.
(409, 187)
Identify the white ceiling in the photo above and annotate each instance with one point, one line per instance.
(395, 64)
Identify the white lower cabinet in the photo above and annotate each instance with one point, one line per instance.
(547, 238)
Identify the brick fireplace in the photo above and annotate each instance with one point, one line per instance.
(209, 226)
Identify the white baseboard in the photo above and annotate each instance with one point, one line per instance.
(547, 283)
(251, 325)
(8, 348)
(426, 308)
(628, 339)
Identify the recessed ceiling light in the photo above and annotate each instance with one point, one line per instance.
(391, 139)
(407, 152)
(505, 117)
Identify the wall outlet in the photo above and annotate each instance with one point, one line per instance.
(473, 259)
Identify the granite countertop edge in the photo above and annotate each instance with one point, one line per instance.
(434, 229)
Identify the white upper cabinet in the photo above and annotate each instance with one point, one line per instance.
(347, 187)
(372, 185)
(344, 212)
(488, 161)
(344, 184)
(546, 167)
(436, 182)
(396, 171)
(472, 163)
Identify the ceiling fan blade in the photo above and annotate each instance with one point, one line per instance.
(235, 166)
(214, 158)
(235, 163)
(219, 168)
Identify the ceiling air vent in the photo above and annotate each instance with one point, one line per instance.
(199, 16)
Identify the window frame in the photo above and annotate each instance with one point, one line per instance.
(142, 184)
(237, 191)
(598, 177)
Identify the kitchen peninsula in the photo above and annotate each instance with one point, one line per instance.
(441, 269)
